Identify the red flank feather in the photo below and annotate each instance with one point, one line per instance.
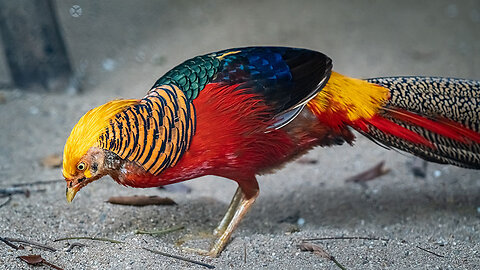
(438, 126)
(396, 130)
(468, 133)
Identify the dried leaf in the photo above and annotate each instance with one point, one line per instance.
(316, 249)
(37, 260)
(52, 161)
(370, 174)
(141, 200)
(32, 259)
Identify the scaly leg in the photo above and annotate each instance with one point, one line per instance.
(240, 212)
(241, 202)
(222, 226)
(220, 229)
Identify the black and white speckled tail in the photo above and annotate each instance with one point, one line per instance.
(451, 104)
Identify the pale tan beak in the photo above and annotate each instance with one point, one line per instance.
(71, 191)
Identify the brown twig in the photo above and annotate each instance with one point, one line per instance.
(10, 244)
(72, 245)
(14, 190)
(347, 238)
(244, 253)
(431, 252)
(40, 182)
(209, 266)
(30, 243)
(9, 198)
(89, 238)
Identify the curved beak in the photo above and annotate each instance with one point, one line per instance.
(75, 184)
(71, 191)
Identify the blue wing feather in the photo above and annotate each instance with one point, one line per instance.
(284, 76)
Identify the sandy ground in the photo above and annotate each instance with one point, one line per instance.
(119, 48)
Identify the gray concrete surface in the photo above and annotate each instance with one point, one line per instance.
(119, 48)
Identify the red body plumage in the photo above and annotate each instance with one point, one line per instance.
(227, 120)
(233, 140)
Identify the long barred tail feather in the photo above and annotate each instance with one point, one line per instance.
(437, 119)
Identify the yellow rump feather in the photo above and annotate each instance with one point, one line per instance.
(86, 132)
(358, 98)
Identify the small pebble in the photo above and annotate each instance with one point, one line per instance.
(442, 242)
(301, 221)
(34, 110)
(109, 64)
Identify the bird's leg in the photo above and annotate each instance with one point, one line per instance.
(222, 226)
(240, 211)
(241, 202)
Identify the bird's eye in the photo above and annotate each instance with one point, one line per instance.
(81, 166)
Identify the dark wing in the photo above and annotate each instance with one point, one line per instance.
(287, 78)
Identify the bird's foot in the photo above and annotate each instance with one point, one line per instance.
(235, 212)
(193, 237)
(198, 240)
(199, 251)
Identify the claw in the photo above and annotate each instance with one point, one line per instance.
(237, 209)
(198, 251)
(190, 237)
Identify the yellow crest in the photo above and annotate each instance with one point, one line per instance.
(86, 132)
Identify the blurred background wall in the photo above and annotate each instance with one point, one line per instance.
(137, 41)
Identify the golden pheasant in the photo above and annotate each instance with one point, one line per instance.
(245, 111)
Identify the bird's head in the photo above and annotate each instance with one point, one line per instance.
(83, 160)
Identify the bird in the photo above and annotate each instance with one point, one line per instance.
(242, 112)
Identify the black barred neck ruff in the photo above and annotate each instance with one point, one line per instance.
(153, 133)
